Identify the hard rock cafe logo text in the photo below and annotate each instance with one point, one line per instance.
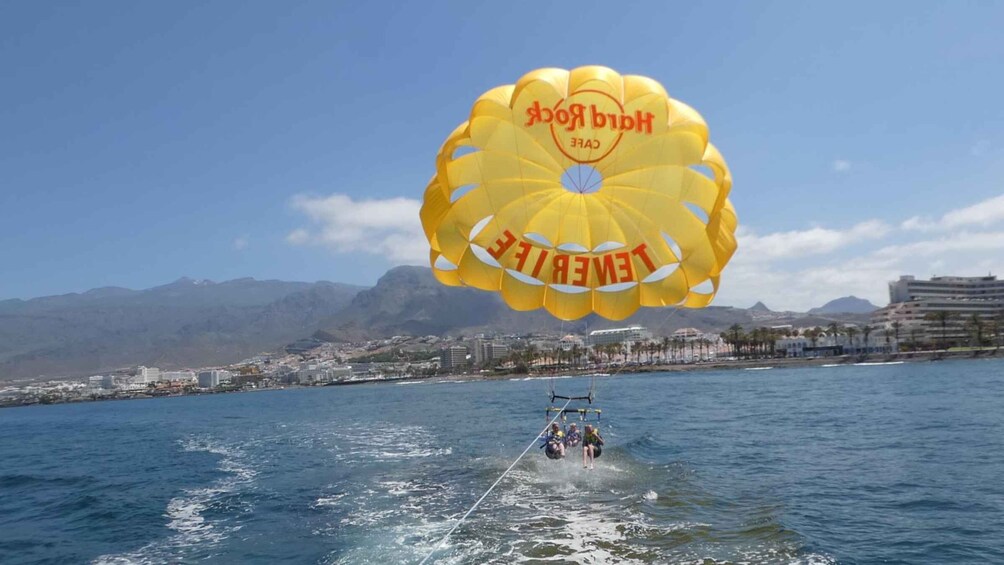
(588, 124)
(574, 117)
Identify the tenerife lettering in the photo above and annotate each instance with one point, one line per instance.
(576, 116)
(586, 270)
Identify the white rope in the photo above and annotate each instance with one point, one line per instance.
(438, 546)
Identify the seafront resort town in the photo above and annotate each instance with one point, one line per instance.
(924, 319)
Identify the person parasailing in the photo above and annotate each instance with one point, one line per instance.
(573, 437)
(592, 446)
(554, 443)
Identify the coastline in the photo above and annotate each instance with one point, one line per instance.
(735, 365)
(604, 371)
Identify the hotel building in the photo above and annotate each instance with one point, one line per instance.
(453, 356)
(619, 335)
(912, 300)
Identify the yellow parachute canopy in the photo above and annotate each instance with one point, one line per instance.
(581, 191)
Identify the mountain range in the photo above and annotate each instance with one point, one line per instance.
(191, 323)
(849, 304)
(184, 323)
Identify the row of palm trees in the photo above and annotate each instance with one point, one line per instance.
(978, 331)
(667, 350)
(757, 343)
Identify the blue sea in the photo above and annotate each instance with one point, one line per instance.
(848, 464)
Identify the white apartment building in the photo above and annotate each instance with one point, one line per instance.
(453, 356)
(182, 376)
(912, 300)
(568, 342)
(628, 335)
(146, 375)
(688, 334)
(213, 378)
(489, 351)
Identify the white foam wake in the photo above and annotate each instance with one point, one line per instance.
(186, 513)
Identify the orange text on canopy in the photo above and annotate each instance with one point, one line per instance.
(588, 124)
(574, 118)
(573, 269)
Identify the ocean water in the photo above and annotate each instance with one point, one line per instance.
(850, 464)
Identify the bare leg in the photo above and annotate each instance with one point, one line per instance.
(585, 448)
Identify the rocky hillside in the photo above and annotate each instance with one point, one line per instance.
(196, 323)
(185, 323)
(846, 304)
(408, 300)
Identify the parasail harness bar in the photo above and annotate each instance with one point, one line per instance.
(588, 398)
(582, 412)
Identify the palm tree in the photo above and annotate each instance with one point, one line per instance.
(518, 360)
(998, 324)
(530, 354)
(640, 345)
(766, 341)
(735, 331)
(867, 330)
(895, 328)
(851, 331)
(834, 333)
(941, 317)
(975, 324)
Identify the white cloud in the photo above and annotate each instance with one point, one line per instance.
(917, 223)
(956, 244)
(801, 287)
(861, 260)
(841, 166)
(298, 236)
(985, 213)
(982, 214)
(828, 263)
(389, 227)
(241, 243)
(814, 241)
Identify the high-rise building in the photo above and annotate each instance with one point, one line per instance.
(964, 299)
(181, 376)
(485, 351)
(146, 375)
(213, 378)
(453, 356)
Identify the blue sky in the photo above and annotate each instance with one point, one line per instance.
(142, 142)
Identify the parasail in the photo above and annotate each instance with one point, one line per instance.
(581, 191)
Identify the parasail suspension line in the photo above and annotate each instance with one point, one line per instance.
(491, 488)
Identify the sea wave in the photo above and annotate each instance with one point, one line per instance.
(186, 514)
